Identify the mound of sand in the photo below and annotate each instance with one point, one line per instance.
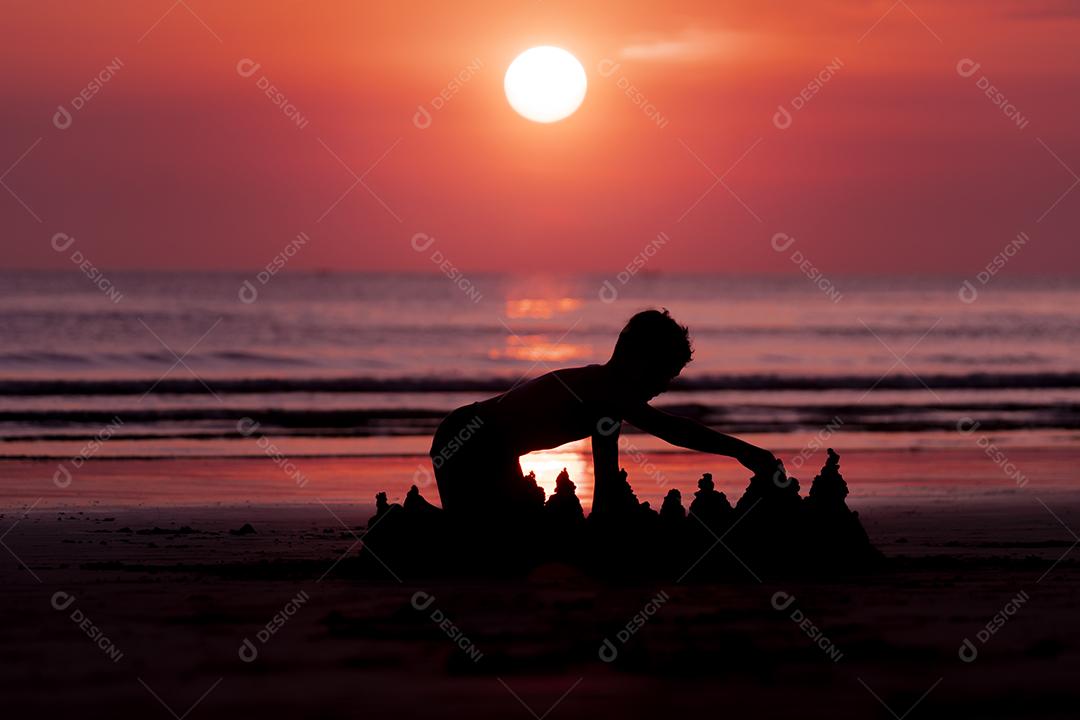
(770, 530)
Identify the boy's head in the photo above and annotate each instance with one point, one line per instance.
(652, 350)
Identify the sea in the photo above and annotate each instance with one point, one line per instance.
(156, 364)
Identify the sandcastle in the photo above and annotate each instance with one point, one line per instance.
(771, 529)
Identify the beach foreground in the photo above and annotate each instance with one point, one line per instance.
(160, 611)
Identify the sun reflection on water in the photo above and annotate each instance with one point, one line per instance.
(539, 348)
(543, 308)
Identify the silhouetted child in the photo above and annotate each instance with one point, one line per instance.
(476, 448)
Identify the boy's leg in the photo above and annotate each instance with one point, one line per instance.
(477, 478)
(486, 485)
(453, 441)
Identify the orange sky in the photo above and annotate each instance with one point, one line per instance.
(897, 165)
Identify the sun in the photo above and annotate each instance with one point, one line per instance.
(545, 84)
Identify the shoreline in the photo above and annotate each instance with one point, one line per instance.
(875, 476)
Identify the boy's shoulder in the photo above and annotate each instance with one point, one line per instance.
(595, 373)
(594, 381)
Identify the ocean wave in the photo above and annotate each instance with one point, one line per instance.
(44, 357)
(225, 422)
(494, 384)
(246, 358)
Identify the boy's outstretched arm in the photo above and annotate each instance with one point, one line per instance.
(692, 435)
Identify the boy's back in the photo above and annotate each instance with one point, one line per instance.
(555, 408)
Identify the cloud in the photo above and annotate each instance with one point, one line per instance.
(689, 45)
(1047, 9)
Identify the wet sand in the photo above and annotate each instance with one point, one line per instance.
(874, 475)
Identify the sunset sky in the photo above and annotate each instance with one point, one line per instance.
(897, 164)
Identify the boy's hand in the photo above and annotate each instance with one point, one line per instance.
(758, 460)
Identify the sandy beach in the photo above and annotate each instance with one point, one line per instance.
(261, 608)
